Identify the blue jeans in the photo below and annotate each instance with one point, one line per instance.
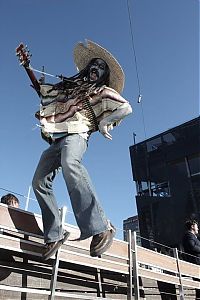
(66, 154)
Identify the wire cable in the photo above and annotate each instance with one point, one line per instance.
(136, 66)
(133, 48)
(11, 192)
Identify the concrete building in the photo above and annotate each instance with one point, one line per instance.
(166, 170)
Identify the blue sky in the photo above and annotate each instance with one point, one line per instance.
(166, 39)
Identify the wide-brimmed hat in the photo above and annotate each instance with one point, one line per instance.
(83, 54)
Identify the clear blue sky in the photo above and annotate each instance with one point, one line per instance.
(166, 38)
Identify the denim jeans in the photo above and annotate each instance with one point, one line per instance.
(66, 154)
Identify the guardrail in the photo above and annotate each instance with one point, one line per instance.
(115, 274)
(161, 267)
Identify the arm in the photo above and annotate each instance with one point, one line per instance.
(193, 244)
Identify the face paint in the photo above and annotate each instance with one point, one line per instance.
(96, 70)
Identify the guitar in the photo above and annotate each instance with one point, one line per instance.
(24, 59)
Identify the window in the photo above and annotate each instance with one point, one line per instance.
(160, 189)
(194, 165)
(169, 138)
(154, 189)
(153, 145)
(143, 188)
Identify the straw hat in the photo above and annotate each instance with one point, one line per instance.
(84, 53)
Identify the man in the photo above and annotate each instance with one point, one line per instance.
(70, 111)
(10, 200)
(191, 244)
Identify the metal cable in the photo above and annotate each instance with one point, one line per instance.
(133, 47)
(136, 66)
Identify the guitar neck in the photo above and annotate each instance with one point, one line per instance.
(31, 75)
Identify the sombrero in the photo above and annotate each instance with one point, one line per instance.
(84, 53)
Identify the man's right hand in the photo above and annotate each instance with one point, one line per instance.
(104, 128)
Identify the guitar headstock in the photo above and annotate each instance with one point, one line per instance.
(23, 55)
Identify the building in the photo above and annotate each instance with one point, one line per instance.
(166, 170)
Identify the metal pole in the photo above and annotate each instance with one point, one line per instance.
(99, 282)
(194, 202)
(130, 282)
(181, 290)
(135, 267)
(134, 137)
(63, 213)
(56, 261)
(28, 198)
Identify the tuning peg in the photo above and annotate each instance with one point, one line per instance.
(20, 47)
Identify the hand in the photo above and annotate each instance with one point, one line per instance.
(104, 128)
